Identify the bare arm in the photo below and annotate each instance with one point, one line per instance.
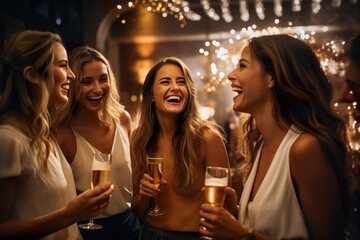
(215, 152)
(317, 189)
(89, 204)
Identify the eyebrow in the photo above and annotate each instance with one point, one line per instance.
(243, 60)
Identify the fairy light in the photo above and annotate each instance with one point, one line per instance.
(224, 54)
(180, 9)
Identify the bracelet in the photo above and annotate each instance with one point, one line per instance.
(249, 235)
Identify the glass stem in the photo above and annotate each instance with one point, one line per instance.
(156, 208)
(91, 222)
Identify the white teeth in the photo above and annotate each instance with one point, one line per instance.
(172, 98)
(95, 98)
(237, 89)
(66, 86)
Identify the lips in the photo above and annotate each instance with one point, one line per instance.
(236, 88)
(65, 88)
(95, 98)
(173, 98)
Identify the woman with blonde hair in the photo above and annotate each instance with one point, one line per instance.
(170, 124)
(94, 122)
(38, 193)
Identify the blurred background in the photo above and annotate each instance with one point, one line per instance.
(206, 34)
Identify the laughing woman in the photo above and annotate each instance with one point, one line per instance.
(96, 123)
(293, 145)
(170, 124)
(38, 198)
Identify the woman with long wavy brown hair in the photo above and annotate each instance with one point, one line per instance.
(293, 144)
(170, 123)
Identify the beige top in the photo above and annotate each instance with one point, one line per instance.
(275, 209)
(120, 174)
(37, 192)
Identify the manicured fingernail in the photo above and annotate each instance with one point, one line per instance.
(112, 186)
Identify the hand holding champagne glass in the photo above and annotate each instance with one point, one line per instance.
(155, 163)
(101, 167)
(216, 181)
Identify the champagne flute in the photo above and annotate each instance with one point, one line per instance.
(155, 163)
(101, 167)
(216, 181)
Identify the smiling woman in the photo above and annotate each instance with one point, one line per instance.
(170, 124)
(92, 123)
(38, 191)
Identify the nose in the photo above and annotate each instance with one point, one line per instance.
(96, 87)
(174, 87)
(232, 76)
(71, 76)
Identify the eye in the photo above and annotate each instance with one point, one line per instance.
(86, 81)
(103, 78)
(164, 81)
(181, 81)
(63, 64)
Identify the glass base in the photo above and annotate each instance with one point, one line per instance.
(90, 226)
(155, 212)
(205, 238)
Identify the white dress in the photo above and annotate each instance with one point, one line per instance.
(120, 174)
(37, 192)
(275, 209)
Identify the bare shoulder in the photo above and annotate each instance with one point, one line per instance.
(306, 155)
(305, 144)
(67, 141)
(125, 120)
(212, 137)
(214, 149)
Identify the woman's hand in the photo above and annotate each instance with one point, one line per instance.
(217, 223)
(147, 188)
(90, 203)
(230, 203)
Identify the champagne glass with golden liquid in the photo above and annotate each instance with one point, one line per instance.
(155, 163)
(101, 168)
(216, 181)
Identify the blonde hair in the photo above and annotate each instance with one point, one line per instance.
(188, 137)
(22, 99)
(78, 57)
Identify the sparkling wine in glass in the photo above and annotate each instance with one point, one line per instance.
(101, 168)
(216, 181)
(155, 163)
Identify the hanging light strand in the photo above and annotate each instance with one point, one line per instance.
(180, 9)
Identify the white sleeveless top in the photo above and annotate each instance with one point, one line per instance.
(37, 192)
(120, 174)
(275, 210)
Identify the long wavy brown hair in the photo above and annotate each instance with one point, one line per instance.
(189, 133)
(302, 96)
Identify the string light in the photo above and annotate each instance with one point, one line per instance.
(180, 9)
(223, 54)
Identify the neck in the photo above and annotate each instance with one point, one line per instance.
(168, 125)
